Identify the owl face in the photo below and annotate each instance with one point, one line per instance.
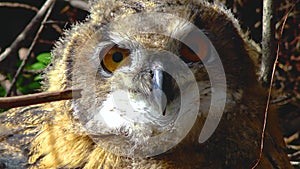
(143, 77)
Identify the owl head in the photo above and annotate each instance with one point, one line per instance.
(152, 73)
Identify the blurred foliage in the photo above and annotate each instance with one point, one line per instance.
(63, 16)
(30, 82)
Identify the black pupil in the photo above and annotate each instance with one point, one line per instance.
(117, 57)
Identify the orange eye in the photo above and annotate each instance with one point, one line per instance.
(196, 51)
(114, 58)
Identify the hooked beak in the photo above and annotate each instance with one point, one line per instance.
(163, 89)
(157, 92)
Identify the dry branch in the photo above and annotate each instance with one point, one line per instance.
(268, 62)
(268, 41)
(18, 5)
(26, 100)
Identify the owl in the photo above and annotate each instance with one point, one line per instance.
(165, 84)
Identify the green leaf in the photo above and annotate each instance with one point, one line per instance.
(37, 66)
(2, 110)
(44, 58)
(38, 78)
(9, 77)
(34, 85)
(19, 81)
(30, 88)
(2, 91)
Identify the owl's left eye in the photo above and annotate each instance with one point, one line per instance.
(114, 58)
(196, 51)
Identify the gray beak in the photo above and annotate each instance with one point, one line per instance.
(158, 96)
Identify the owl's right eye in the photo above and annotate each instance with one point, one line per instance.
(114, 58)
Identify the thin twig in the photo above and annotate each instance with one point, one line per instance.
(270, 91)
(283, 100)
(34, 72)
(55, 22)
(29, 30)
(18, 5)
(30, 48)
(26, 100)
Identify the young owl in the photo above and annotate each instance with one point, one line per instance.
(165, 84)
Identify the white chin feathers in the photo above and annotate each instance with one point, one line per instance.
(133, 128)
